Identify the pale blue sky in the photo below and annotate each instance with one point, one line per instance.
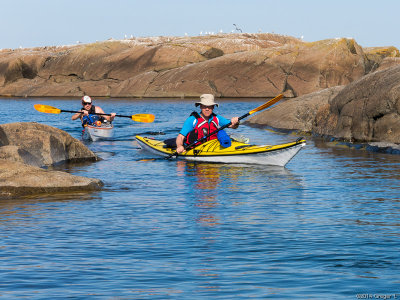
(32, 23)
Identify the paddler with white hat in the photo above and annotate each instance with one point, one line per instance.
(88, 112)
(200, 125)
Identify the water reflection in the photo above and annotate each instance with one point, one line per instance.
(25, 202)
(203, 181)
(225, 198)
(219, 187)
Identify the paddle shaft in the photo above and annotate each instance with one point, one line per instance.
(204, 138)
(100, 114)
(145, 118)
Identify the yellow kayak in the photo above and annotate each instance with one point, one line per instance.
(238, 152)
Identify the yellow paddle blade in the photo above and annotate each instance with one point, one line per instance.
(47, 109)
(267, 104)
(145, 118)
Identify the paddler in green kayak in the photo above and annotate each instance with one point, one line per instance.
(200, 125)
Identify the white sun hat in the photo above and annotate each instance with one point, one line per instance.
(207, 100)
(86, 99)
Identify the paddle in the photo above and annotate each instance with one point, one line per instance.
(144, 118)
(204, 139)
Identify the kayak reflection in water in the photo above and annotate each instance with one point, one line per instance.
(89, 113)
(200, 125)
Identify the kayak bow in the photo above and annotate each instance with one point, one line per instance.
(95, 133)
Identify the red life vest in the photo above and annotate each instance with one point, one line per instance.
(202, 128)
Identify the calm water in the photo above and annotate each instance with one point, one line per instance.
(325, 227)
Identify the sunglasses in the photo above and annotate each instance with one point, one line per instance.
(207, 106)
(86, 103)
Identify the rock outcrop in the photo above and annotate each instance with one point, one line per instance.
(296, 113)
(25, 147)
(367, 110)
(40, 145)
(18, 179)
(227, 65)
(364, 111)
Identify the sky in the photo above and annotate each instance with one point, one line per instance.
(37, 23)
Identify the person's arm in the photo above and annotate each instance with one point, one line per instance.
(187, 127)
(99, 110)
(179, 143)
(223, 121)
(76, 116)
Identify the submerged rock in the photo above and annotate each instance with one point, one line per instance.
(18, 179)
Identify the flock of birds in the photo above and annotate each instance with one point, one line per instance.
(237, 29)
